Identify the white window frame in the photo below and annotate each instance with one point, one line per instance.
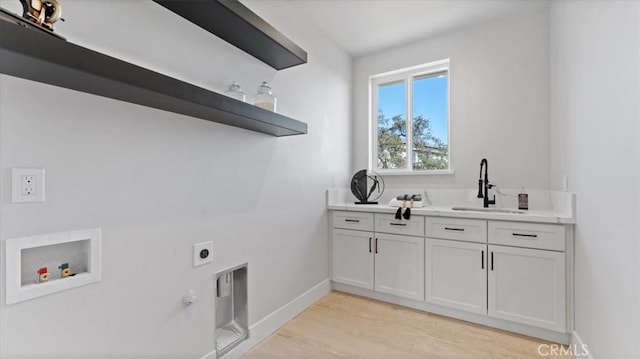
(406, 75)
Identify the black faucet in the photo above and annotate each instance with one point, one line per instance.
(487, 185)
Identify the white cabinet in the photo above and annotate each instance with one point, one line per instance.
(399, 265)
(456, 262)
(527, 286)
(456, 274)
(353, 258)
(502, 270)
(387, 263)
(519, 276)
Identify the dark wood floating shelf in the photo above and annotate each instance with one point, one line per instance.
(239, 26)
(29, 53)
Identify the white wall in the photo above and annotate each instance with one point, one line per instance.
(157, 182)
(595, 59)
(499, 101)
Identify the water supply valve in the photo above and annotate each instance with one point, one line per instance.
(43, 275)
(190, 298)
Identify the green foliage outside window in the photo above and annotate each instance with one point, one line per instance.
(429, 152)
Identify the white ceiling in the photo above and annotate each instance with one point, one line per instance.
(365, 26)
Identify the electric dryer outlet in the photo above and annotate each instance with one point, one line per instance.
(202, 253)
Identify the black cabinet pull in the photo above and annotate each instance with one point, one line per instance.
(491, 260)
(525, 235)
(376, 245)
(398, 224)
(369, 244)
(352, 220)
(482, 259)
(454, 229)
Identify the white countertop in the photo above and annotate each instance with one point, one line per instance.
(562, 210)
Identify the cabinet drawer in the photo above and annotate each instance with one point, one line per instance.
(529, 235)
(387, 223)
(471, 230)
(352, 220)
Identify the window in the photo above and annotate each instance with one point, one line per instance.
(410, 120)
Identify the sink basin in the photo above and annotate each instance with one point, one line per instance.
(490, 210)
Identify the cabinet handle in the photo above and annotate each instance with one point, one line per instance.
(525, 235)
(352, 220)
(369, 244)
(482, 259)
(454, 229)
(398, 224)
(491, 260)
(376, 245)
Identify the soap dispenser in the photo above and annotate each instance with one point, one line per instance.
(523, 200)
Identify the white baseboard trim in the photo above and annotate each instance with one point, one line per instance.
(269, 324)
(580, 349)
(557, 337)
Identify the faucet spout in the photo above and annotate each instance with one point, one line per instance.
(483, 192)
(480, 182)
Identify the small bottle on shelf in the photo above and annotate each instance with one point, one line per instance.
(235, 91)
(264, 97)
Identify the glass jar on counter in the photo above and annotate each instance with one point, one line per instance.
(235, 91)
(264, 97)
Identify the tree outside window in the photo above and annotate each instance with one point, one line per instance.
(411, 131)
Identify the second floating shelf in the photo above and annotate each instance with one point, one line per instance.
(242, 28)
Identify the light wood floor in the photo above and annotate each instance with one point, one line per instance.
(341, 325)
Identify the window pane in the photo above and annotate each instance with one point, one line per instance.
(430, 122)
(392, 126)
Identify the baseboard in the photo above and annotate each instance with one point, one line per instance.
(269, 324)
(557, 337)
(579, 348)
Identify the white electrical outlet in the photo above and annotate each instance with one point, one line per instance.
(202, 253)
(27, 185)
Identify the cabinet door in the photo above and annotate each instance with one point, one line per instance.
(399, 265)
(527, 286)
(352, 258)
(456, 274)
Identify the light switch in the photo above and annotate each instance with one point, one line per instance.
(27, 185)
